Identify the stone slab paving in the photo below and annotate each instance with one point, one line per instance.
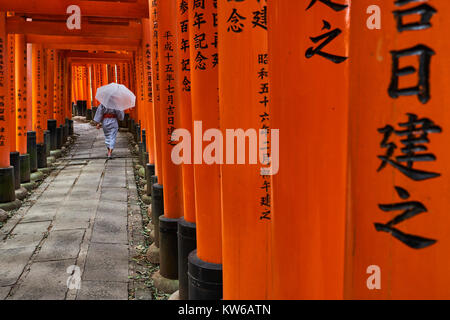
(75, 226)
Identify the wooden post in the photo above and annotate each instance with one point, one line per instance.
(51, 80)
(398, 241)
(14, 155)
(65, 85)
(5, 111)
(21, 106)
(309, 92)
(246, 216)
(21, 93)
(205, 110)
(12, 91)
(148, 91)
(57, 103)
(74, 89)
(75, 82)
(156, 91)
(159, 136)
(37, 93)
(170, 120)
(7, 181)
(89, 86)
(187, 240)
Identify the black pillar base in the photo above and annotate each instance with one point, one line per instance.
(84, 108)
(133, 128)
(168, 247)
(41, 155)
(14, 159)
(157, 208)
(7, 189)
(149, 173)
(71, 127)
(59, 138)
(79, 108)
(31, 150)
(140, 145)
(47, 142)
(25, 168)
(146, 158)
(205, 279)
(89, 114)
(65, 132)
(144, 140)
(138, 133)
(51, 125)
(186, 244)
(126, 121)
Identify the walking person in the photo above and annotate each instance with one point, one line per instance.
(114, 99)
(109, 118)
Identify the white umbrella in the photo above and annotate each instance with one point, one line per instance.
(116, 96)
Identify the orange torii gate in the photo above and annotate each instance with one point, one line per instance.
(41, 30)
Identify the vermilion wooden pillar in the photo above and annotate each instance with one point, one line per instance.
(21, 93)
(187, 241)
(156, 86)
(29, 80)
(133, 87)
(89, 86)
(37, 92)
(119, 73)
(184, 79)
(139, 89)
(75, 83)
(7, 183)
(246, 193)
(399, 155)
(56, 84)
(95, 84)
(147, 88)
(43, 85)
(105, 74)
(84, 80)
(12, 91)
(74, 89)
(14, 154)
(309, 95)
(205, 108)
(4, 94)
(65, 88)
(159, 136)
(50, 63)
(170, 120)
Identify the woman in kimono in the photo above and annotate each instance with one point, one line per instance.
(109, 119)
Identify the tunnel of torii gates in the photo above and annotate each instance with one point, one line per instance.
(348, 201)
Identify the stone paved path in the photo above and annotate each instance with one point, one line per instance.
(78, 219)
